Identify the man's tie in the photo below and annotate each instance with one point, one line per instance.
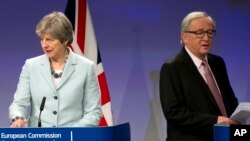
(214, 89)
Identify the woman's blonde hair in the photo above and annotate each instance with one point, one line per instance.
(57, 25)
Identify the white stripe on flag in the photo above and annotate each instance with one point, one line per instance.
(107, 113)
(99, 69)
(90, 50)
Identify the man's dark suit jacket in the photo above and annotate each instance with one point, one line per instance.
(187, 102)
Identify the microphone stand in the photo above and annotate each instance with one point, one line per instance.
(41, 109)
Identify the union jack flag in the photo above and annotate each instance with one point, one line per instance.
(85, 44)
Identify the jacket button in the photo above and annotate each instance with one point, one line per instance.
(55, 97)
(54, 112)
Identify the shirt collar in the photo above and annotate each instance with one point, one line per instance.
(195, 59)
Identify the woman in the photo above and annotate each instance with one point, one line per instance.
(66, 80)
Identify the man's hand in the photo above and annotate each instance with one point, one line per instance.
(226, 120)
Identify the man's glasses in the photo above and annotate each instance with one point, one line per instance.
(201, 33)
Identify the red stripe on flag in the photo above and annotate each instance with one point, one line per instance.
(81, 25)
(103, 122)
(105, 98)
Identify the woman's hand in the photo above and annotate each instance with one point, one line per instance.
(18, 122)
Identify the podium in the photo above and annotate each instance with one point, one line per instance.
(111, 133)
(231, 133)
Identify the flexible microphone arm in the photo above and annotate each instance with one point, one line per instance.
(41, 109)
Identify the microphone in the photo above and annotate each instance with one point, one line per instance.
(41, 109)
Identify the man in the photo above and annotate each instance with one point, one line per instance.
(190, 105)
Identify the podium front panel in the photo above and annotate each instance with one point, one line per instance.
(231, 133)
(110, 133)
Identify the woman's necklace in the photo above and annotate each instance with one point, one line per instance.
(53, 72)
(56, 75)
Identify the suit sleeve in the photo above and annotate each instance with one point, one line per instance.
(230, 101)
(91, 103)
(173, 96)
(22, 95)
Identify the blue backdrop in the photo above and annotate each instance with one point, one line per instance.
(135, 37)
